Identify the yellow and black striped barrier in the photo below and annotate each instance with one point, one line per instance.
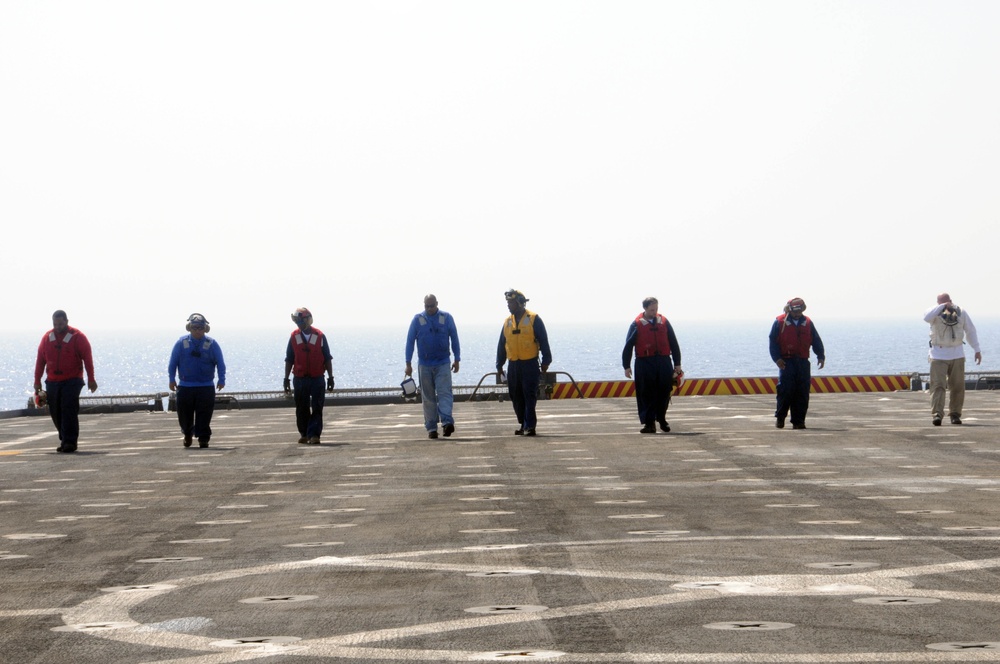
(734, 386)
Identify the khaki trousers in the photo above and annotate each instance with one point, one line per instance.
(950, 373)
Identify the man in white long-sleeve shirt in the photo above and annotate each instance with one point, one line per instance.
(950, 327)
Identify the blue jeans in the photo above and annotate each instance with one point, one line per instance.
(436, 395)
(310, 394)
(64, 407)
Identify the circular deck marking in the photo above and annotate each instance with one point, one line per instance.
(741, 587)
(94, 627)
(255, 642)
(599, 477)
(749, 626)
(222, 522)
(793, 505)
(483, 498)
(884, 497)
(305, 545)
(830, 523)
(494, 547)
(761, 492)
(151, 587)
(897, 601)
(12, 556)
(506, 572)
(240, 507)
(486, 513)
(658, 532)
(340, 510)
(329, 525)
(130, 491)
(278, 599)
(841, 565)
(514, 655)
(106, 505)
(508, 608)
(608, 488)
(925, 512)
(32, 536)
(349, 495)
(75, 518)
(966, 645)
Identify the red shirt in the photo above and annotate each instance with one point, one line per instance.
(63, 357)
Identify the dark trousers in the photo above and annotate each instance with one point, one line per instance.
(793, 390)
(523, 377)
(64, 407)
(654, 379)
(195, 406)
(310, 394)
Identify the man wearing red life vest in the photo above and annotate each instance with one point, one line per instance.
(308, 355)
(652, 337)
(63, 354)
(792, 335)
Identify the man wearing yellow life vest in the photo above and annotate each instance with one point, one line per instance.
(522, 337)
(654, 341)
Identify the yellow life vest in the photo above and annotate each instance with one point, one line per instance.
(519, 337)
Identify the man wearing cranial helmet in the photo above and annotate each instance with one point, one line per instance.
(195, 359)
(792, 335)
(308, 356)
(523, 336)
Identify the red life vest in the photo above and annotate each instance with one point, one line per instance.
(651, 337)
(795, 340)
(309, 360)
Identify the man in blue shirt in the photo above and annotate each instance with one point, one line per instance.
(434, 333)
(196, 358)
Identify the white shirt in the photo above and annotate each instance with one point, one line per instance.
(953, 352)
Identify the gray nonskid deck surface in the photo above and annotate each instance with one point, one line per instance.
(870, 537)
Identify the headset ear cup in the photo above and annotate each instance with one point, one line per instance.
(188, 327)
(207, 328)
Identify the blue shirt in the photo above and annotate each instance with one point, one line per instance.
(432, 336)
(196, 362)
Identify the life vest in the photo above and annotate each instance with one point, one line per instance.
(309, 360)
(795, 340)
(948, 330)
(651, 336)
(519, 337)
(64, 355)
(205, 345)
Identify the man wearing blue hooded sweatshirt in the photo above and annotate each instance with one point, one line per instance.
(196, 358)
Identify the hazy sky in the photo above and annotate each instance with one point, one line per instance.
(244, 158)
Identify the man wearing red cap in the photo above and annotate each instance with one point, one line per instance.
(792, 335)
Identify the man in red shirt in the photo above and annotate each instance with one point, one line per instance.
(63, 354)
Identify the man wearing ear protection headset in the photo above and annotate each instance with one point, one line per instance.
(196, 358)
(308, 355)
(522, 337)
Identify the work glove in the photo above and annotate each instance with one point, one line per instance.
(329, 384)
(288, 386)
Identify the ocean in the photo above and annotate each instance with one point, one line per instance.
(135, 362)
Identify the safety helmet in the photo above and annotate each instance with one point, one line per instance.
(197, 320)
(302, 315)
(515, 295)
